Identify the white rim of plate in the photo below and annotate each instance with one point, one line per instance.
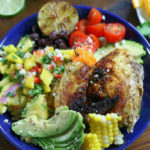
(142, 16)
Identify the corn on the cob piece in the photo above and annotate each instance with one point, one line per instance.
(106, 128)
(91, 142)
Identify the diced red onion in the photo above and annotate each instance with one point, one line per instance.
(4, 99)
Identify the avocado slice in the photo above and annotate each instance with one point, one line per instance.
(34, 127)
(70, 139)
(135, 49)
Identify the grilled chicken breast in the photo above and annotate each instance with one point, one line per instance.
(117, 74)
(114, 84)
(73, 84)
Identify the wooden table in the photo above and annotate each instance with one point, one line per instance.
(122, 8)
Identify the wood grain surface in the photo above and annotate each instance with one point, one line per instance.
(122, 8)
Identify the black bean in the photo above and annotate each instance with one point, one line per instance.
(53, 35)
(53, 45)
(62, 33)
(43, 42)
(62, 45)
(34, 36)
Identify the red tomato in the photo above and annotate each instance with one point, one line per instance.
(94, 17)
(82, 25)
(37, 80)
(76, 37)
(50, 67)
(33, 69)
(114, 32)
(96, 42)
(56, 58)
(97, 29)
(58, 76)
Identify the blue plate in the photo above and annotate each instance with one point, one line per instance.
(24, 27)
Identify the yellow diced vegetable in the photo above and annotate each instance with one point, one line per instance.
(46, 77)
(29, 63)
(106, 128)
(3, 108)
(29, 82)
(91, 142)
(10, 49)
(67, 53)
(14, 58)
(46, 88)
(25, 91)
(51, 49)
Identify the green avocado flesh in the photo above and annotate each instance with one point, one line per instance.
(135, 49)
(63, 131)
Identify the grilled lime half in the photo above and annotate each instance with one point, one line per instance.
(57, 15)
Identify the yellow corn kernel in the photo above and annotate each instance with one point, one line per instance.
(91, 142)
(46, 77)
(106, 128)
(29, 63)
(10, 49)
(29, 82)
(14, 58)
(3, 108)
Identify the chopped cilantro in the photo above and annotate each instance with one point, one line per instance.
(37, 90)
(10, 94)
(144, 28)
(60, 69)
(1, 88)
(46, 59)
(19, 77)
(54, 80)
(4, 60)
(14, 57)
(20, 54)
(24, 112)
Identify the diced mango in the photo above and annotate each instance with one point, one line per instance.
(67, 53)
(46, 88)
(29, 82)
(3, 108)
(10, 49)
(14, 58)
(25, 91)
(46, 77)
(29, 63)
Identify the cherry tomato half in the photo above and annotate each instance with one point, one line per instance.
(82, 25)
(96, 42)
(114, 32)
(77, 36)
(97, 29)
(37, 80)
(56, 58)
(94, 17)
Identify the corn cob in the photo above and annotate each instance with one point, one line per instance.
(91, 142)
(106, 128)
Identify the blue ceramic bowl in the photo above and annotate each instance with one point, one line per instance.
(24, 27)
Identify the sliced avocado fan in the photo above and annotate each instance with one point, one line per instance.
(135, 50)
(64, 131)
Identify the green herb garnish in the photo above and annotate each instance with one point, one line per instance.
(37, 90)
(20, 54)
(144, 28)
(46, 59)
